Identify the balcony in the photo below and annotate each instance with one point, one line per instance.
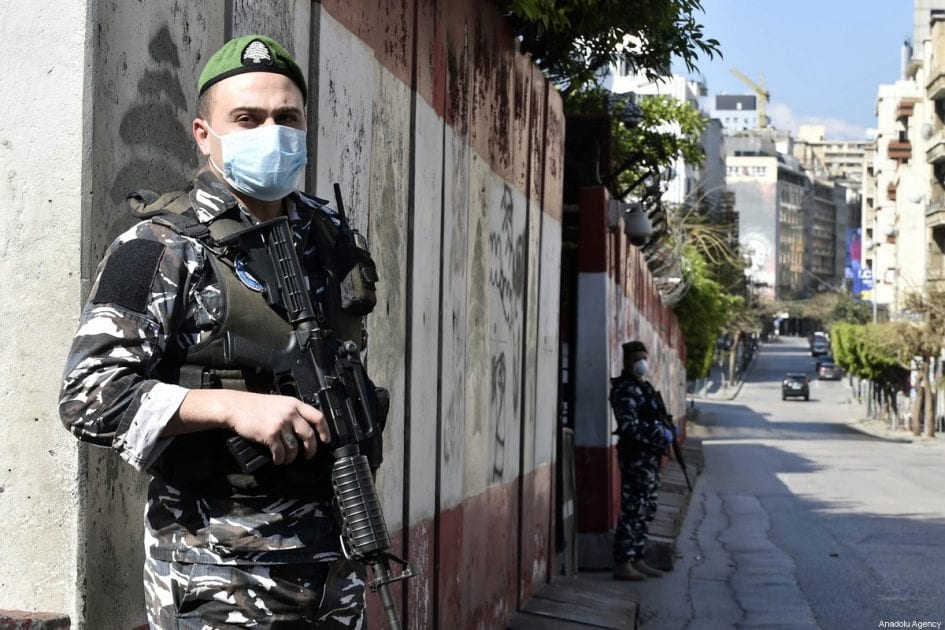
(935, 88)
(900, 150)
(936, 151)
(904, 108)
(935, 212)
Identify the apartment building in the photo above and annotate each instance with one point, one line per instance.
(934, 130)
(771, 195)
(794, 220)
(896, 217)
(736, 112)
(903, 210)
(840, 160)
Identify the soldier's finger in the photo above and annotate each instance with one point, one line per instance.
(315, 418)
(306, 434)
(291, 444)
(277, 448)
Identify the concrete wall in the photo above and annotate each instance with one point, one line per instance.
(43, 148)
(448, 146)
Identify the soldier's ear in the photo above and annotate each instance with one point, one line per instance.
(201, 131)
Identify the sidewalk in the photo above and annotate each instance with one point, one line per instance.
(593, 599)
(879, 429)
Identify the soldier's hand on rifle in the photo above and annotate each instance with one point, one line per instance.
(281, 423)
(668, 434)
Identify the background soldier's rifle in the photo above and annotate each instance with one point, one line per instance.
(325, 372)
(667, 419)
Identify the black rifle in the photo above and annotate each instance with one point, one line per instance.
(327, 373)
(667, 419)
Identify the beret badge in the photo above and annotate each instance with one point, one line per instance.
(256, 53)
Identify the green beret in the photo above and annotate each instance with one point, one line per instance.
(634, 346)
(250, 53)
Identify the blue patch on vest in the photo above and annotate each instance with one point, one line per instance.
(245, 276)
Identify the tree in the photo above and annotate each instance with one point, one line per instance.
(663, 130)
(573, 40)
(924, 339)
(873, 352)
(849, 309)
(702, 313)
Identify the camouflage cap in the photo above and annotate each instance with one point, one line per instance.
(250, 53)
(634, 346)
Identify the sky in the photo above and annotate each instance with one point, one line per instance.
(821, 60)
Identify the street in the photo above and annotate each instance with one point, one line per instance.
(800, 521)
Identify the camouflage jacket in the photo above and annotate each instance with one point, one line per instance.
(155, 294)
(637, 412)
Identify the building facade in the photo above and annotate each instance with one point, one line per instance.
(736, 112)
(934, 128)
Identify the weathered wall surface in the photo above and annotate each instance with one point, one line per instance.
(450, 143)
(43, 138)
(448, 147)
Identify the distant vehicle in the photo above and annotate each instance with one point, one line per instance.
(824, 358)
(829, 371)
(819, 347)
(795, 385)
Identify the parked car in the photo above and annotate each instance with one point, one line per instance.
(819, 347)
(824, 358)
(829, 371)
(795, 385)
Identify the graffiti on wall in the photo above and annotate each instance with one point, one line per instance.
(160, 152)
(506, 280)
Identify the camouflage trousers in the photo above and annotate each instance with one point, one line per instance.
(208, 596)
(639, 487)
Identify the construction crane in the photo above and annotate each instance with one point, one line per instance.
(763, 96)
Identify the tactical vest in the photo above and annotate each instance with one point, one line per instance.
(200, 461)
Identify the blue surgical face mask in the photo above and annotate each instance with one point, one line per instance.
(264, 162)
(640, 368)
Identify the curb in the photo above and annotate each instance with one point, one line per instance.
(738, 387)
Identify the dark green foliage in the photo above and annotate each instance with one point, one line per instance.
(851, 310)
(701, 314)
(667, 129)
(572, 40)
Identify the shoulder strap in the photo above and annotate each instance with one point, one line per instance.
(170, 209)
(174, 210)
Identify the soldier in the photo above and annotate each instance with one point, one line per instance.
(147, 374)
(642, 440)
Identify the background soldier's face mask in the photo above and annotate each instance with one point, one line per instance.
(264, 162)
(641, 367)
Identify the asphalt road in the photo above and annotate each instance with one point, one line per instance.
(800, 521)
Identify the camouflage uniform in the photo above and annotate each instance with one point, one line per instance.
(253, 556)
(641, 444)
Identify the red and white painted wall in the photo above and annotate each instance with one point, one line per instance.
(617, 301)
(449, 143)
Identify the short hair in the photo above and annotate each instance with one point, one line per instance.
(205, 104)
